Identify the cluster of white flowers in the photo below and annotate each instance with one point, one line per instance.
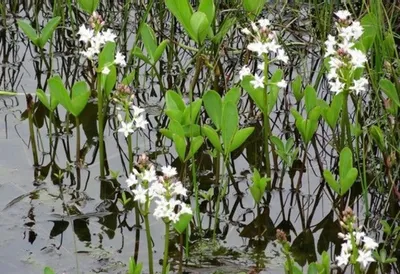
(265, 44)
(365, 246)
(344, 57)
(163, 190)
(137, 121)
(94, 39)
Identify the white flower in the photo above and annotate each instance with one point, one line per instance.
(258, 81)
(335, 63)
(140, 194)
(346, 45)
(364, 257)
(356, 29)
(281, 56)
(257, 47)
(85, 34)
(282, 84)
(261, 66)
(137, 110)
(108, 36)
(132, 180)
(369, 243)
(157, 189)
(272, 46)
(330, 46)
(126, 128)
(150, 175)
(343, 14)
(179, 189)
(264, 23)
(120, 59)
(186, 210)
(254, 27)
(169, 171)
(244, 72)
(105, 71)
(343, 259)
(140, 122)
(246, 31)
(358, 58)
(336, 86)
(89, 53)
(359, 85)
(359, 236)
(332, 74)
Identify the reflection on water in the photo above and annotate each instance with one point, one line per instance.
(61, 215)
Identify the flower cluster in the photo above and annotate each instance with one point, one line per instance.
(365, 246)
(163, 190)
(95, 38)
(345, 58)
(265, 44)
(137, 121)
(357, 246)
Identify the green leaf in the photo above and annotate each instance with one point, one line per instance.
(175, 114)
(149, 40)
(195, 144)
(253, 6)
(207, 7)
(378, 137)
(257, 94)
(183, 222)
(192, 130)
(213, 105)
(48, 30)
(139, 54)
(43, 98)
(348, 180)
(192, 111)
(390, 90)
(89, 5)
(48, 270)
(182, 10)
(278, 143)
(80, 96)
(310, 98)
(296, 87)
(180, 146)
(213, 137)
(106, 56)
(256, 193)
(29, 31)
(200, 25)
(111, 79)
(240, 137)
(233, 95)
(345, 162)
(128, 79)
(60, 93)
(331, 114)
(223, 30)
(331, 181)
(370, 25)
(175, 127)
(174, 101)
(160, 50)
(229, 124)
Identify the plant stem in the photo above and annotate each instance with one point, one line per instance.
(166, 245)
(267, 129)
(31, 130)
(100, 118)
(220, 192)
(345, 124)
(149, 243)
(78, 141)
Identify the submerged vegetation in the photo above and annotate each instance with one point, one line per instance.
(236, 136)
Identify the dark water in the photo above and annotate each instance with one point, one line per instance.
(77, 225)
